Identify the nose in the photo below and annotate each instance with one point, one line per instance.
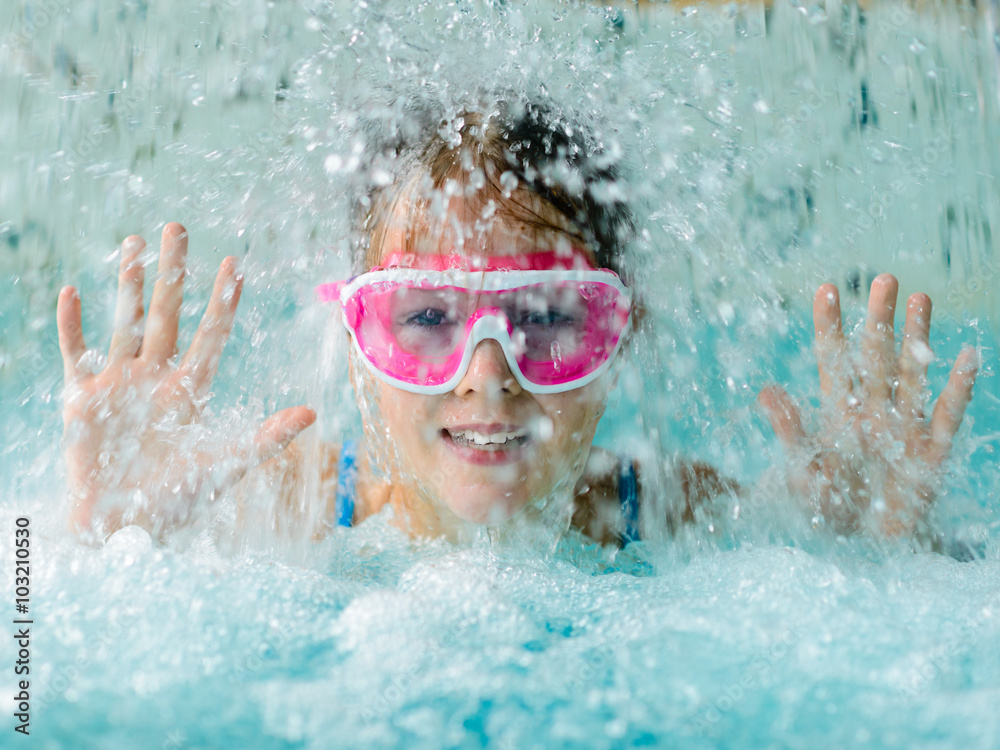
(488, 372)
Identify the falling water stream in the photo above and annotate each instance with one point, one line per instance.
(768, 150)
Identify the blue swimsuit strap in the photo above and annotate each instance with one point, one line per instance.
(628, 501)
(347, 479)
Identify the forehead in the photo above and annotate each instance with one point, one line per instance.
(478, 228)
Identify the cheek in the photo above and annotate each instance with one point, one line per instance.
(574, 415)
(406, 416)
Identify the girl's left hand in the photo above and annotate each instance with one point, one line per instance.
(875, 447)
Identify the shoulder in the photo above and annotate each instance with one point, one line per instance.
(329, 462)
(597, 508)
(701, 483)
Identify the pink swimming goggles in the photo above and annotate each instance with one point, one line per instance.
(559, 325)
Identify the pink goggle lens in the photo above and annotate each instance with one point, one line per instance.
(559, 332)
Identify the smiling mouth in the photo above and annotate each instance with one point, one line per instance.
(494, 440)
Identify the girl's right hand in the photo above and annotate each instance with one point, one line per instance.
(135, 449)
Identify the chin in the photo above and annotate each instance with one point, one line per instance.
(481, 505)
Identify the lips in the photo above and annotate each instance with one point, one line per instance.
(495, 443)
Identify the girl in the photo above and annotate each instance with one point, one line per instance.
(491, 308)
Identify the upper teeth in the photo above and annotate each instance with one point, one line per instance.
(481, 439)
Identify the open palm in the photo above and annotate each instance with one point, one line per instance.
(135, 445)
(875, 449)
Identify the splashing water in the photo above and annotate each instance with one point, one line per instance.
(767, 150)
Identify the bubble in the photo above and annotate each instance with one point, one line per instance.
(762, 156)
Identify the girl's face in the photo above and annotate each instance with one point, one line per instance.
(450, 448)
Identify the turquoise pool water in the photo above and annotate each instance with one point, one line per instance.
(770, 152)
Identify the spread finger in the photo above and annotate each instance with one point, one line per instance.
(834, 369)
(879, 344)
(127, 337)
(950, 407)
(202, 359)
(71, 343)
(914, 357)
(160, 342)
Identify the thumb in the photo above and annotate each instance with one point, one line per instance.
(272, 437)
(784, 416)
(279, 430)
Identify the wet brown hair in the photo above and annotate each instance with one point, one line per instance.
(532, 168)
